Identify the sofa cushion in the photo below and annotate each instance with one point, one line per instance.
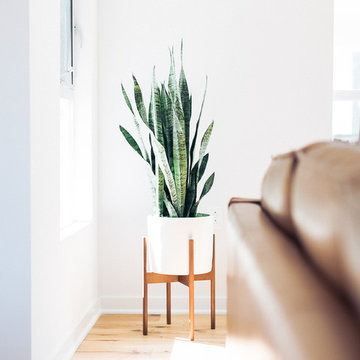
(275, 190)
(276, 187)
(278, 306)
(325, 208)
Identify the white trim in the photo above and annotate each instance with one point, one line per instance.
(75, 338)
(157, 304)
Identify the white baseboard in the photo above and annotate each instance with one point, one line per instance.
(157, 304)
(75, 338)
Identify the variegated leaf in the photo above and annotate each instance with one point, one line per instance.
(203, 166)
(180, 163)
(137, 126)
(193, 143)
(185, 101)
(170, 208)
(167, 127)
(191, 191)
(161, 159)
(204, 142)
(129, 138)
(172, 84)
(156, 113)
(160, 192)
(128, 103)
(139, 101)
(207, 186)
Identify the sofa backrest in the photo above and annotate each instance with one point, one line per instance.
(314, 194)
(277, 187)
(276, 190)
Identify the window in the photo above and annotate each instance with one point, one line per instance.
(76, 68)
(66, 113)
(346, 106)
(67, 165)
(66, 43)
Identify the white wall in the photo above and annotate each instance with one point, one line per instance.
(64, 272)
(269, 67)
(15, 341)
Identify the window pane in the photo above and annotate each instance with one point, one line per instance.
(346, 120)
(66, 162)
(346, 44)
(66, 43)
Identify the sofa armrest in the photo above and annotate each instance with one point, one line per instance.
(277, 305)
(238, 200)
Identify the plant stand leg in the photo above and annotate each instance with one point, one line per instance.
(191, 290)
(145, 298)
(168, 303)
(213, 287)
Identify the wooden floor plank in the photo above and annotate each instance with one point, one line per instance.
(117, 336)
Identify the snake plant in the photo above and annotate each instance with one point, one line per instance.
(170, 156)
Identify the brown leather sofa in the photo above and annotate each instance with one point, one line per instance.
(294, 259)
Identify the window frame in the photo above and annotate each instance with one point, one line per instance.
(67, 145)
(344, 95)
(77, 182)
(70, 70)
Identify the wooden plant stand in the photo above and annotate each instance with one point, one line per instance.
(188, 280)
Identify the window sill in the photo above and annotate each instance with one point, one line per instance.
(73, 229)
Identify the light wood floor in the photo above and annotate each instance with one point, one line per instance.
(120, 337)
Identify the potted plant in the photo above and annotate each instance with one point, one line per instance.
(174, 172)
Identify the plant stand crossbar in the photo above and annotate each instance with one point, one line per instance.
(188, 280)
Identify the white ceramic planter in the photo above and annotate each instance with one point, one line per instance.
(168, 244)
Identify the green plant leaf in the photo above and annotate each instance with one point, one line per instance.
(165, 109)
(131, 140)
(161, 159)
(152, 181)
(174, 91)
(205, 141)
(139, 101)
(203, 166)
(191, 190)
(190, 108)
(151, 122)
(170, 208)
(156, 107)
(141, 144)
(192, 148)
(128, 103)
(180, 163)
(207, 186)
(151, 126)
(172, 84)
(152, 156)
(160, 192)
(185, 101)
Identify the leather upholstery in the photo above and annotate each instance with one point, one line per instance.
(275, 190)
(278, 306)
(276, 187)
(294, 259)
(326, 212)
